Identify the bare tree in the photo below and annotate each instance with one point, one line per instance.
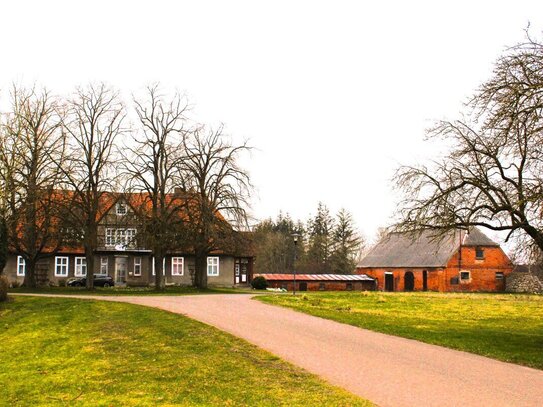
(493, 176)
(219, 190)
(93, 123)
(153, 169)
(31, 145)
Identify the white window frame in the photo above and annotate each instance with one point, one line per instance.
(163, 266)
(110, 237)
(178, 261)
(121, 205)
(213, 262)
(59, 264)
(130, 237)
(137, 266)
(501, 276)
(21, 263)
(120, 237)
(104, 263)
(464, 279)
(78, 270)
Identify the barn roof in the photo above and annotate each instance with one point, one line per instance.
(404, 250)
(316, 277)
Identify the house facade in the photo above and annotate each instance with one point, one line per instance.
(122, 255)
(459, 262)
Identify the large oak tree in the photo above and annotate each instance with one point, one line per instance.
(493, 175)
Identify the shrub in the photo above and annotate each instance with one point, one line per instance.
(259, 283)
(3, 288)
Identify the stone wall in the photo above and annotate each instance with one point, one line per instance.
(519, 282)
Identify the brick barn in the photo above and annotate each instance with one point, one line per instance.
(320, 282)
(460, 261)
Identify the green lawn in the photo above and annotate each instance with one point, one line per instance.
(56, 351)
(505, 327)
(173, 290)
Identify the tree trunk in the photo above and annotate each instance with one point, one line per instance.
(159, 270)
(90, 270)
(30, 274)
(201, 270)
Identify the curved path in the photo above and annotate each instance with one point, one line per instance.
(387, 370)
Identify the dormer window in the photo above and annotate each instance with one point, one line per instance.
(479, 253)
(121, 208)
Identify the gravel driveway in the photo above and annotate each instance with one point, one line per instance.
(388, 370)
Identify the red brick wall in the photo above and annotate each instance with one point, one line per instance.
(482, 273)
(434, 279)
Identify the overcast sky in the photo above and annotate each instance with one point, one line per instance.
(334, 95)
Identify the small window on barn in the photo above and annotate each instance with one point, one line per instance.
(454, 281)
(349, 286)
(322, 286)
(499, 275)
(479, 253)
(465, 275)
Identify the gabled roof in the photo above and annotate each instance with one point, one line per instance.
(478, 238)
(425, 250)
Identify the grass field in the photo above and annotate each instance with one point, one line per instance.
(56, 351)
(505, 327)
(174, 290)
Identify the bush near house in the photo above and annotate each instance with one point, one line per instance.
(259, 283)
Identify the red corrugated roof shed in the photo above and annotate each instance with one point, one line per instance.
(316, 277)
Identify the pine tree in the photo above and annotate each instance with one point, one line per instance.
(320, 240)
(346, 244)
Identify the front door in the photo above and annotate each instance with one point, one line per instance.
(241, 271)
(121, 266)
(424, 280)
(409, 281)
(389, 282)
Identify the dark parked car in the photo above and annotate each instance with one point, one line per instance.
(100, 280)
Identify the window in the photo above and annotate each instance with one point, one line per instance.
(80, 266)
(103, 265)
(21, 266)
(479, 253)
(177, 266)
(465, 275)
(121, 208)
(61, 266)
(122, 237)
(212, 266)
(349, 286)
(322, 286)
(499, 275)
(163, 266)
(137, 266)
(455, 281)
(130, 238)
(110, 239)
